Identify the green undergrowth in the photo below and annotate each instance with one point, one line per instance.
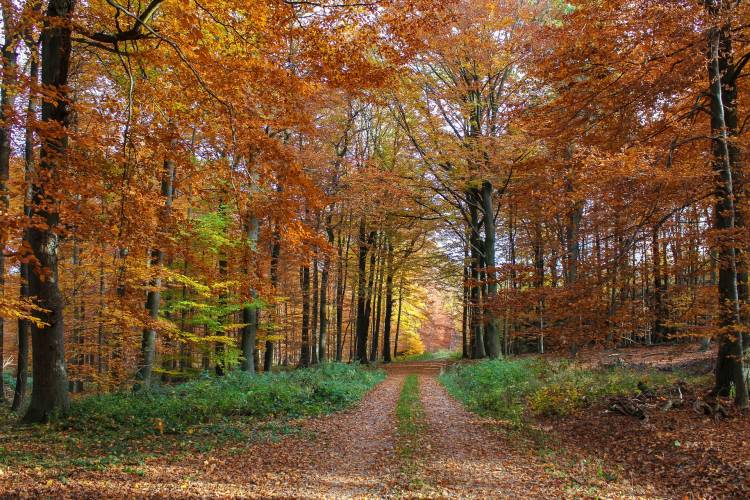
(431, 356)
(516, 389)
(175, 409)
(194, 417)
(411, 425)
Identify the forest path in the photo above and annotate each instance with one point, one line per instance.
(355, 454)
(466, 456)
(349, 454)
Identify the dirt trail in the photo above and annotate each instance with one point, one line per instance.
(354, 455)
(345, 455)
(463, 458)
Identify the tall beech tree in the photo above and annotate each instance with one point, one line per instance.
(50, 389)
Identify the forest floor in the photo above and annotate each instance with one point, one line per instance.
(358, 454)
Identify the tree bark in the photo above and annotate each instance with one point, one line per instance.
(324, 275)
(729, 363)
(7, 98)
(658, 294)
(478, 350)
(388, 305)
(314, 344)
(304, 359)
(50, 390)
(153, 297)
(398, 317)
(275, 252)
(377, 295)
(492, 332)
(362, 318)
(250, 311)
(24, 325)
(341, 277)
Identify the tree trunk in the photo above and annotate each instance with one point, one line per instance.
(465, 303)
(341, 277)
(250, 311)
(7, 98)
(275, 251)
(362, 318)
(314, 343)
(539, 278)
(658, 294)
(478, 350)
(24, 325)
(323, 333)
(304, 358)
(388, 306)
(377, 295)
(50, 390)
(398, 317)
(492, 333)
(153, 297)
(220, 346)
(372, 244)
(729, 364)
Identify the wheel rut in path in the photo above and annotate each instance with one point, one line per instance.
(464, 458)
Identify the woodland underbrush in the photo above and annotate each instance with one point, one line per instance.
(195, 416)
(520, 389)
(293, 394)
(431, 356)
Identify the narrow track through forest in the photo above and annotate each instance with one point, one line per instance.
(354, 454)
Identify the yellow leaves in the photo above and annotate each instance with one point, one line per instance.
(14, 308)
(159, 425)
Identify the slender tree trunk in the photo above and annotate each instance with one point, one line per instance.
(539, 278)
(323, 333)
(220, 346)
(492, 333)
(388, 305)
(153, 297)
(304, 359)
(24, 325)
(465, 305)
(49, 392)
(339, 301)
(658, 293)
(76, 384)
(398, 316)
(372, 244)
(377, 295)
(7, 98)
(314, 342)
(275, 251)
(478, 350)
(250, 311)
(362, 318)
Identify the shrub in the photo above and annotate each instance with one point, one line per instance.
(495, 388)
(509, 389)
(174, 409)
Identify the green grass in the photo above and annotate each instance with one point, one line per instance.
(411, 425)
(235, 411)
(174, 410)
(515, 389)
(431, 356)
